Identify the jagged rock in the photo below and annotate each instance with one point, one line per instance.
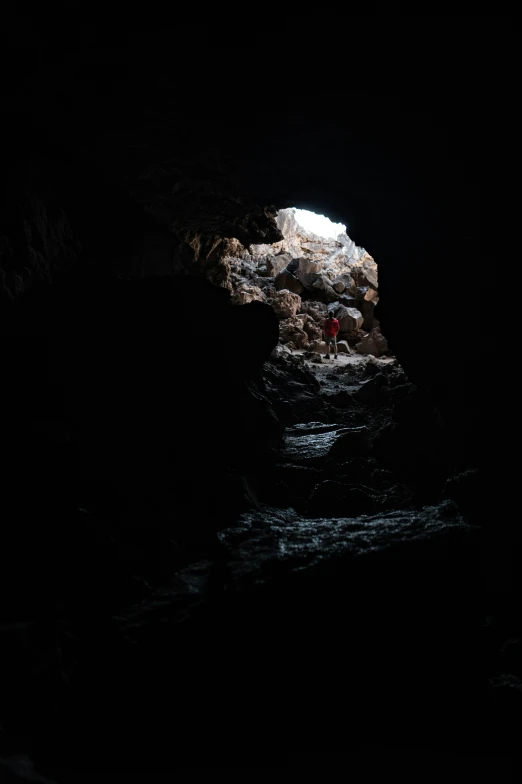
(373, 343)
(260, 251)
(281, 535)
(312, 329)
(323, 289)
(287, 224)
(370, 390)
(364, 271)
(316, 247)
(280, 350)
(348, 301)
(335, 305)
(308, 271)
(285, 280)
(275, 264)
(291, 331)
(368, 310)
(317, 310)
(293, 265)
(320, 347)
(464, 489)
(246, 294)
(343, 347)
(343, 282)
(314, 357)
(286, 304)
(351, 249)
(350, 319)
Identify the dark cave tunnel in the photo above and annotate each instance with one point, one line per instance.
(164, 552)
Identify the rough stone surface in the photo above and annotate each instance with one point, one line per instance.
(245, 294)
(308, 270)
(286, 304)
(350, 319)
(373, 343)
(317, 310)
(285, 280)
(343, 347)
(276, 264)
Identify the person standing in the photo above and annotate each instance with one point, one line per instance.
(330, 330)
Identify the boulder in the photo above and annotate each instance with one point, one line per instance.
(335, 306)
(343, 347)
(275, 264)
(350, 319)
(348, 302)
(321, 286)
(308, 271)
(369, 268)
(364, 272)
(373, 343)
(316, 310)
(292, 333)
(343, 282)
(286, 304)
(285, 280)
(367, 310)
(246, 294)
(312, 329)
(316, 247)
(320, 347)
(260, 251)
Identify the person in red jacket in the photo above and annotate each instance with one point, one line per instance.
(330, 330)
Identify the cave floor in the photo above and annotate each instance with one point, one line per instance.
(344, 607)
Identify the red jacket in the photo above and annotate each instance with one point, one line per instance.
(331, 327)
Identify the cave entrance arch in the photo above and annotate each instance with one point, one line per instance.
(315, 268)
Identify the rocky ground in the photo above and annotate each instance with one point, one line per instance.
(344, 601)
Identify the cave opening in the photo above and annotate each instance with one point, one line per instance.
(318, 224)
(314, 270)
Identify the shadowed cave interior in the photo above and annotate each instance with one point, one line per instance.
(219, 547)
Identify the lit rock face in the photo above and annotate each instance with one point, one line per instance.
(342, 283)
(335, 272)
(291, 333)
(324, 290)
(317, 310)
(308, 270)
(301, 331)
(246, 294)
(275, 264)
(350, 319)
(373, 343)
(286, 304)
(285, 280)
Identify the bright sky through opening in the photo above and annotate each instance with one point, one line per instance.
(318, 224)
